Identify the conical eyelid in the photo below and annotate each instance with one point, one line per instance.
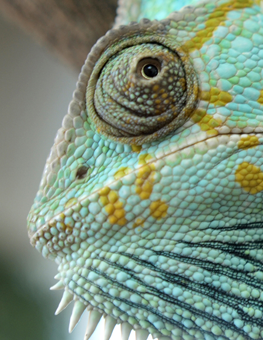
(177, 118)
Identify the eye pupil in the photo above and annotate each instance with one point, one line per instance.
(150, 71)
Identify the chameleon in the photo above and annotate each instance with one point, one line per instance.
(151, 198)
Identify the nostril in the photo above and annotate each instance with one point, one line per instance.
(81, 172)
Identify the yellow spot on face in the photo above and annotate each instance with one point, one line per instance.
(62, 227)
(61, 217)
(110, 209)
(136, 148)
(71, 202)
(104, 195)
(198, 115)
(143, 159)
(248, 142)
(145, 177)
(250, 177)
(112, 196)
(156, 88)
(206, 122)
(139, 222)
(260, 99)
(122, 172)
(158, 209)
(215, 19)
(216, 97)
(113, 206)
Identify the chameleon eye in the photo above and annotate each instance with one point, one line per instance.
(141, 86)
(81, 172)
(149, 68)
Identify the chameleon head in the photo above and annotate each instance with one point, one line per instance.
(149, 200)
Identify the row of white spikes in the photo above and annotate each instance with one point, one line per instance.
(94, 318)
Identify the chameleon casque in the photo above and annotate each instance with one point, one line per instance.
(151, 198)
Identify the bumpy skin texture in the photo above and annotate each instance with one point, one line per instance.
(164, 230)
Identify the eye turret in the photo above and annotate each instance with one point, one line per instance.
(142, 86)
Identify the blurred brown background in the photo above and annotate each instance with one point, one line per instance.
(69, 28)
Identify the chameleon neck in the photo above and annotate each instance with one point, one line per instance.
(135, 10)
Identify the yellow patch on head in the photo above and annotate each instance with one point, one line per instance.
(136, 148)
(62, 227)
(250, 177)
(206, 122)
(61, 217)
(158, 209)
(216, 96)
(143, 159)
(139, 222)
(248, 142)
(113, 206)
(59, 223)
(71, 202)
(145, 177)
(145, 180)
(122, 172)
(260, 99)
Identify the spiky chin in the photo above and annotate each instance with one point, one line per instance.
(94, 317)
(104, 288)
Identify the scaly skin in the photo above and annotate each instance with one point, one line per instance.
(152, 204)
